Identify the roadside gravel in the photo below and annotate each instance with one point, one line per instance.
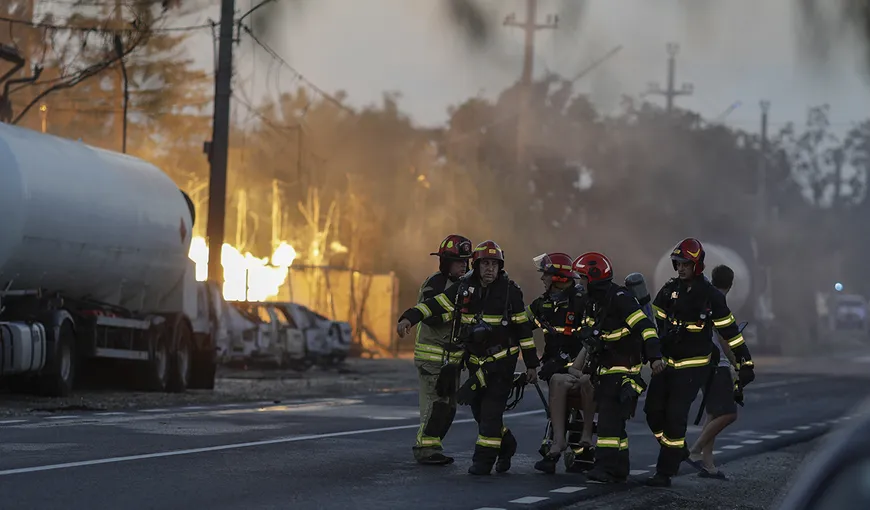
(356, 376)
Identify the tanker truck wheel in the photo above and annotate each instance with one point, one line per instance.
(180, 360)
(157, 369)
(60, 364)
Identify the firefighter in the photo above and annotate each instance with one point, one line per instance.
(491, 327)
(618, 336)
(686, 309)
(438, 401)
(557, 313)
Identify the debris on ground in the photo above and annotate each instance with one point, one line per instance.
(356, 376)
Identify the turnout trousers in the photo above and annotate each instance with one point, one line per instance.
(488, 407)
(668, 402)
(615, 407)
(436, 413)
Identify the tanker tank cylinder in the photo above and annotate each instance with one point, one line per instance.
(636, 283)
(90, 223)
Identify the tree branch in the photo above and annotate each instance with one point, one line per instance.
(88, 72)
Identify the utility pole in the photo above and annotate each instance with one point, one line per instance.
(43, 113)
(530, 26)
(217, 149)
(671, 93)
(120, 131)
(762, 167)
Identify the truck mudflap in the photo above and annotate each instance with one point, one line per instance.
(22, 348)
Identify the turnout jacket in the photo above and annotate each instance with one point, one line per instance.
(627, 334)
(432, 333)
(559, 320)
(685, 317)
(496, 311)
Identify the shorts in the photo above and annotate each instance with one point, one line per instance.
(720, 401)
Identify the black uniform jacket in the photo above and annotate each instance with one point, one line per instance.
(496, 311)
(627, 333)
(686, 316)
(559, 320)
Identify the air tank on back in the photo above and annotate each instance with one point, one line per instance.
(716, 255)
(89, 223)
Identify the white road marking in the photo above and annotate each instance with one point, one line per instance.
(732, 447)
(785, 432)
(652, 465)
(716, 452)
(803, 427)
(751, 441)
(568, 490)
(8, 422)
(110, 414)
(67, 417)
(770, 436)
(635, 472)
(154, 410)
(232, 446)
(528, 500)
(847, 418)
(193, 408)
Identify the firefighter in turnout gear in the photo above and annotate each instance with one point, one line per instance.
(557, 313)
(686, 309)
(438, 372)
(490, 326)
(617, 337)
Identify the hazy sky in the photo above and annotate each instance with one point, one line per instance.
(739, 50)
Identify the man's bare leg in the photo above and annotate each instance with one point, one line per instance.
(559, 386)
(703, 448)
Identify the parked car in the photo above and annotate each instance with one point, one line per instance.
(327, 341)
(278, 339)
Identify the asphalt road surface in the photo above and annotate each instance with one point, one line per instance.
(345, 453)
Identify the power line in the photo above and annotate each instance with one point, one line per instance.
(74, 28)
(298, 75)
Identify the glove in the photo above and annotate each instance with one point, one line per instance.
(628, 397)
(551, 368)
(746, 375)
(447, 381)
(466, 393)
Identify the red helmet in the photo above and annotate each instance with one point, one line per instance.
(454, 247)
(556, 264)
(488, 250)
(689, 250)
(593, 266)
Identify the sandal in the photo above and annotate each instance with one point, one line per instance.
(718, 475)
(697, 464)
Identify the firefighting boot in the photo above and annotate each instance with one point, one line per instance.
(507, 450)
(436, 459)
(548, 463)
(658, 480)
(599, 475)
(480, 469)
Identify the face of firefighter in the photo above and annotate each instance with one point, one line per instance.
(457, 268)
(488, 271)
(547, 280)
(685, 270)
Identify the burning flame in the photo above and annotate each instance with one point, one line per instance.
(247, 278)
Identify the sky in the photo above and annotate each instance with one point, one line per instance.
(737, 52)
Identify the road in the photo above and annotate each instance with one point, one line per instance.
(343, 453)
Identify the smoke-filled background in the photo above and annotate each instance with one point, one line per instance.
(381, 126)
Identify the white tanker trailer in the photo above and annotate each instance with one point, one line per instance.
(94, 264)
